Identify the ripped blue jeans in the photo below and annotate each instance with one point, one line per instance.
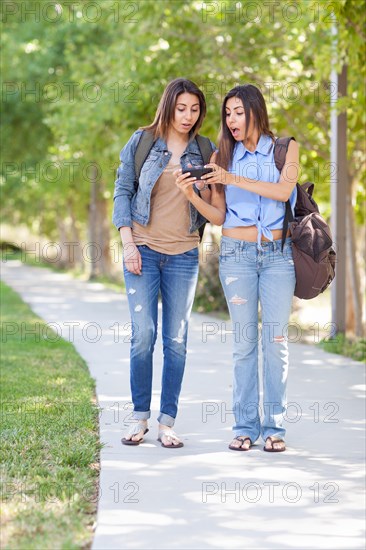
(175, 276)
(250, 276)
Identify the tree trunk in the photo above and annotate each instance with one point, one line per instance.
(350, 308)
(91, 249)
(76, 254)
(63, 256)
(104, 232)
(356, 302)
(98, 247)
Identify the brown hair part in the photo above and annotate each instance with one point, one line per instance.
(166, 109)
(254, 106)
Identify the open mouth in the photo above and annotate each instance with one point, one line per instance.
(235, 132)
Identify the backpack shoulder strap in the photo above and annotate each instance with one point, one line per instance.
(142, 151)
(205, 147)
(280, 151)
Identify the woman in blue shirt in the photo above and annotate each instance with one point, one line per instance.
(253, 268)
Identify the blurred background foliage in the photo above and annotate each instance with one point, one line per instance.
(79, 77)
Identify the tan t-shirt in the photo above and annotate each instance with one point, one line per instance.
(168, 228)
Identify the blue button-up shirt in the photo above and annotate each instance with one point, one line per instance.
(245, 208)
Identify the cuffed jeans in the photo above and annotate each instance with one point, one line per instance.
(176, 278)
(267, 275)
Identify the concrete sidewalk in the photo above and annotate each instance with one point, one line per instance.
(203, 495)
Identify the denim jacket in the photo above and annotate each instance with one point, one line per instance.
(132, 200)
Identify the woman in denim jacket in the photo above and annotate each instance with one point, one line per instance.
(253, 268)
(158, 221)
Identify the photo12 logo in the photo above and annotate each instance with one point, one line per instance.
(67, 90)
(40, 11)
(269, 11)
(271, 492)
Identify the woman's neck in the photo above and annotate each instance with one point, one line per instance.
(251, 142)
(177, 144)
(177, 138)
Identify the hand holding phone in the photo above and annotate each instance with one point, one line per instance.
(197, 171)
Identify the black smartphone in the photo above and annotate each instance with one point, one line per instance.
(197, 171)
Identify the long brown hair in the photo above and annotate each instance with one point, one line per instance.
(254, 106)
(166, 109)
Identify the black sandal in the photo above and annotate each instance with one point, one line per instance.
(243, 440)
(272, 449)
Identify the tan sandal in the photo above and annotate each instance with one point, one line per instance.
(134, 430)
(170, 435)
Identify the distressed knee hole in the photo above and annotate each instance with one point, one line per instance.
(179, 338)
(279, 339)
(237, 300)
(138, 308)
(229, 280)
(132, 291)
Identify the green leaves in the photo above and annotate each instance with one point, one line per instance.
(97, 74)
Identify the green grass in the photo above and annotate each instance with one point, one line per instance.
(49, 442)
(340, 344)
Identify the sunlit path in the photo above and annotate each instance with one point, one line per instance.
(203, 495)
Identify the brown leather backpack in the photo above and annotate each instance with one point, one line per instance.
(312, 244)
